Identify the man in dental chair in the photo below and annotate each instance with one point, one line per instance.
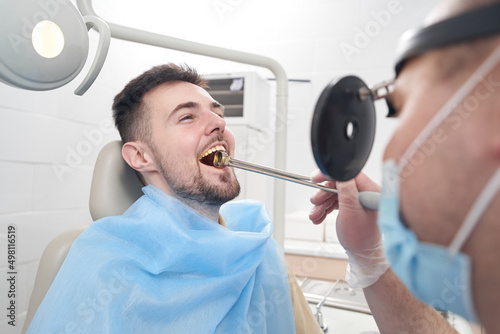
(439, 210)
(181, 259)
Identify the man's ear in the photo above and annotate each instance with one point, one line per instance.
(136, 155)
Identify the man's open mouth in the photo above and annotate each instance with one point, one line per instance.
(208, 157)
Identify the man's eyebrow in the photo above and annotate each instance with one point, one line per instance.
(180, 106)
(217, 105)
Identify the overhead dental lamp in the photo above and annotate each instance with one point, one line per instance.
(44, 44)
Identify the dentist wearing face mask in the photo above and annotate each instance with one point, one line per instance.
(435, 240)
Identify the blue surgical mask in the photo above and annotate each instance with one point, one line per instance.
(427, 270)
(437, 275)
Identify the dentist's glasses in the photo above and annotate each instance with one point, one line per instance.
(382, 90)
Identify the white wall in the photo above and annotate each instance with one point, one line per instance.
(50, 139)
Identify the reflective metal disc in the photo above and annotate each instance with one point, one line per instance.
(343, 129)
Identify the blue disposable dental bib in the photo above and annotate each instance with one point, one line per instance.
(161, 267)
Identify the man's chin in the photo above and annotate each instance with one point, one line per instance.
(207, 190)
(224, 191)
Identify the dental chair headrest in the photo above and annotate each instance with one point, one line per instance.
(115, 185)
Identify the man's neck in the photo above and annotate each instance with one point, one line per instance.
(209, 211)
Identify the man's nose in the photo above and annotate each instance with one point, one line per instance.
(215, 123)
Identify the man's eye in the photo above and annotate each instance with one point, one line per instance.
(185, 118)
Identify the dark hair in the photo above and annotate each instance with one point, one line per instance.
(129, 109)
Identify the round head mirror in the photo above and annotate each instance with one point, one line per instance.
(343, 128)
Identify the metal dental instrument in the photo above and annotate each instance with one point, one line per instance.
(368, 199)
(222, 159)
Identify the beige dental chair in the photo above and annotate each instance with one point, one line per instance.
(115, 186)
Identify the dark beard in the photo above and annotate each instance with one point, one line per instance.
(206, 193)
(200, 190)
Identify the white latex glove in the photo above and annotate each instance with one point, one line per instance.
(357, 228)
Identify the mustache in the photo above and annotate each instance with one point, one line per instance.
(219, 138)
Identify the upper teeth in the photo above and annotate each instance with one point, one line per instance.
(214, 149)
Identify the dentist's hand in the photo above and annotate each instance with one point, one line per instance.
(357, 228)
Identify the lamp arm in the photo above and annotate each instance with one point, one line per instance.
(102, 51)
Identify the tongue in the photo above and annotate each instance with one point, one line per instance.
(208, 159)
